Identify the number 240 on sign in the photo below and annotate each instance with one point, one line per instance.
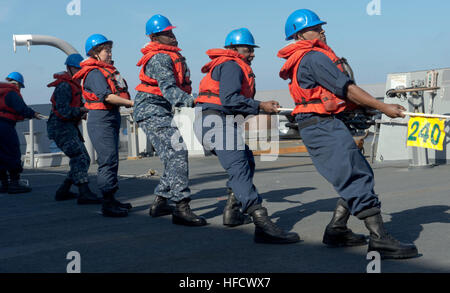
(426, 133)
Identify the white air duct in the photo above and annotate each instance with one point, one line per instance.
(29, 40)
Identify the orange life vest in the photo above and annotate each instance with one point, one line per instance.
(75, 91)
(209, 88)
(5, 111)
(117, 84)
(316, 100)
(180, 69)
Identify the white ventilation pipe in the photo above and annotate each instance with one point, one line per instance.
(29, 40)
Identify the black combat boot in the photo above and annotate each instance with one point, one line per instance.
(63, 192)
(4, 180)
(267, 232)
(15, 186)
(385, 244)
(4, 186)
(337, 234)
(110, 208)
(160, 207)
(87, 196)
(232, 215)
(124, 205)
(182, 215)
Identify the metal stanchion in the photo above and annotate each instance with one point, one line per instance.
(133, 140)
(87, 142)
(31, 124)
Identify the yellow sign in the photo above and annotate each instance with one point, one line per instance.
(426, 133)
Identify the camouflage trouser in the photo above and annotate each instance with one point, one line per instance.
(174, 183)
(67, 138)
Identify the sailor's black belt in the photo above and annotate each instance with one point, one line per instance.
(312, 121)
(208, 94)
(212, 112)
(304, 102)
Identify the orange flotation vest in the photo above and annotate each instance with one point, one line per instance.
(209, 88)
(117, 84)
(316, 100)
(75, 90)
(5, 111)
(180, 69)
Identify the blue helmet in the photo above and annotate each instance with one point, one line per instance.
(17, 77)
(241, 36)
(74, 60)
(299, 20)
(95, 40)
(158, 23)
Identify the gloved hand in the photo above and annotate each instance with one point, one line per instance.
(189, 102)
(83, 110)
(269, 107)
(83, 113)
(37, 116)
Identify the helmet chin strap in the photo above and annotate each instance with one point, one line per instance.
(299, 37)
(16, 84)
(69, 69)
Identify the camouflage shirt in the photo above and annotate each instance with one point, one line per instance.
(63, 98)
(160, 68)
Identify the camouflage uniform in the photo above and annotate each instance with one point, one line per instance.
(154, 114)
(67, 136)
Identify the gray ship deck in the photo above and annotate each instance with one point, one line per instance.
(38, 232)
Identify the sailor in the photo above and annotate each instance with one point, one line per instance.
(165, 84)
(12, 110)
(227, 91)
(105, 91)
(62, 127)
(321, 89)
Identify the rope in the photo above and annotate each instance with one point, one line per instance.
(406, 113)
(150, 173)
(427, 115)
